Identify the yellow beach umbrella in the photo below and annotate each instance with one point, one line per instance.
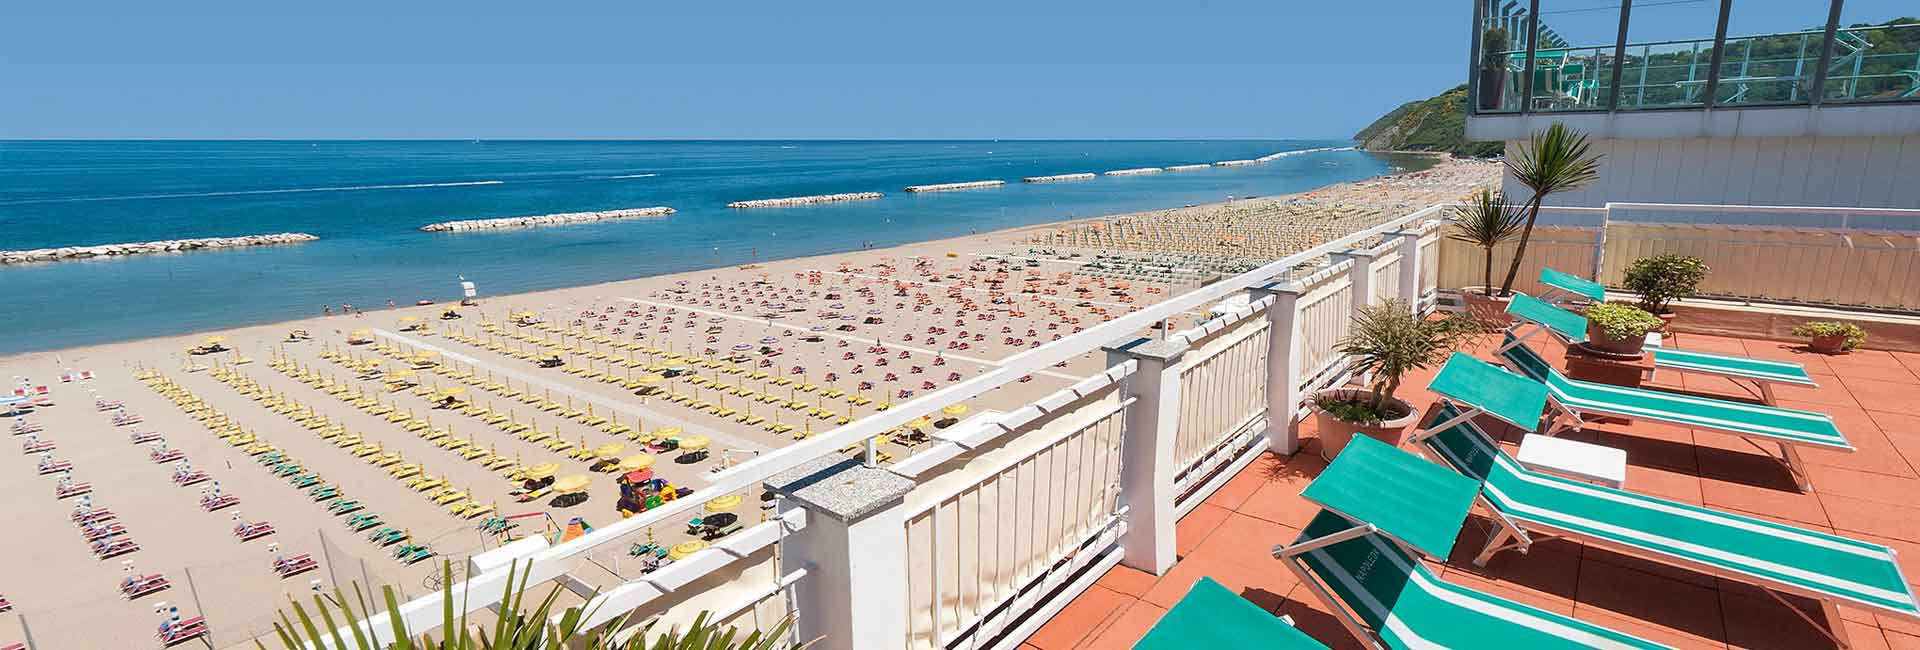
(453, 391)
(667, 432)
(636, 462)
(409, 319)
(214, 340)
(361, 332)
(921, 422)
(694, 443)
(609, 450)
(571, 483)
(542, 470)
(955, 410)
(682, 550)
(724, 503)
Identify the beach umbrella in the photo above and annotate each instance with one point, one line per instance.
(542, 470)
(724, 503)
(921, 422)
(571, 483)
(682, 550)
(955, 410)
(694, 443)
(636, 462)
(667, 432)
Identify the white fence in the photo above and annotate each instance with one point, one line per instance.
(1847, 257)
(975, 540)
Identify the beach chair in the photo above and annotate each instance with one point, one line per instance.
(1778, 558)
(1570, 328)
(1210, 615)
(1361, 557)
(1787, 429)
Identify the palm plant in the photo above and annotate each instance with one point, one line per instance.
(1553, 160)
(517, 628)
(1486, 221)
(1388, 340)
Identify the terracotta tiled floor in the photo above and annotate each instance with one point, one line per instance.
(1873, 494)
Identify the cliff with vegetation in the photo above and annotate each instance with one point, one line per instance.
(1438, 123)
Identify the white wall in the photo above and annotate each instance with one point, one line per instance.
(1864, 171)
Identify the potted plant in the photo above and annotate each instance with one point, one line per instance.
(1386, 342)
(1493, 67)
(1831, 337)
(1617, 328)
(1486, 221)
(1553, 160)
(1662, 279)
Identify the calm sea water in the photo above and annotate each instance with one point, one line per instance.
(366, 200)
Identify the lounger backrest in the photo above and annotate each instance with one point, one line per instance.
(1461, 446)
(1560, 322)
(1528, 362)
(1573, 284)
(1407, 607)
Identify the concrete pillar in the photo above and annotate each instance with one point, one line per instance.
(1146, 449)
(1361, 273)
(854, 596)
(1409, 268)
(1283, 365)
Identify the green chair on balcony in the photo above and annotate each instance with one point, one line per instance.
(1789, 429)
(1212, 616)
(1778, 558)
(1571, 328)
(1360, 556)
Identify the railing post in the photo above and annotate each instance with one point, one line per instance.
(1283, 365)
(1146, 449)
(1361, 273)
(1409, 268)
(854, 549)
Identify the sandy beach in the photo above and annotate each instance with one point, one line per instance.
(439, 419)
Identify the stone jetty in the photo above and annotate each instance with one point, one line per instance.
(949, 187)
(1135, 171)
(806, 200)
(1236, 163)
(562, 219)
(1057, 178)
(1187, 168)
(148, 248)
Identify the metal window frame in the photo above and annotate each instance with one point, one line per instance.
(1533, 42)
(1818, 93)
(1619, 54)
(1712, 91)
(1473, 56)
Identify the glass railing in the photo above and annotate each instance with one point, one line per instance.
(1875, 64)
(1868, 64)
(1572, 79)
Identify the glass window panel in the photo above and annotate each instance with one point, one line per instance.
(1573, 55)
(1876, 54)
(1772, 51)
(1669, 52)
(1503, 51)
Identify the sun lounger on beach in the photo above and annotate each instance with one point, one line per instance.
(1570, 328)
(1780, 558)
(1786, 428)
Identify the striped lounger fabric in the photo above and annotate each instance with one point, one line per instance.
(1788, 428)
(1403, 605)
(1777, 557)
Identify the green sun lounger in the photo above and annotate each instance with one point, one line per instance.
(1212, 616)
(1365, 567)
(1580, 287)
(1571, 328)
(1788, 429)
(1778, 558)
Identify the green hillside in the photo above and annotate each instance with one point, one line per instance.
(1437, 123)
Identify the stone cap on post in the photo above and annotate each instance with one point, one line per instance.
(840, 487)
(1148, 349)
(1277, 287)
(1358, 253)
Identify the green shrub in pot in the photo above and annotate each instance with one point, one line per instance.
(1662, 279)
(1619, 328)
(1831, 336)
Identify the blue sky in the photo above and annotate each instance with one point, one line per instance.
(746, 69)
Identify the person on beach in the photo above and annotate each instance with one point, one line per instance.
(327, 309)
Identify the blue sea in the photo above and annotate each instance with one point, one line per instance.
(366, 200)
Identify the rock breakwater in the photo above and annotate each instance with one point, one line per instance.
(149, 248)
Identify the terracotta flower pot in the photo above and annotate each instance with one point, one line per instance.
(1830, 344)
(1489, 311)
(1335, 433)
(1597, 340)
